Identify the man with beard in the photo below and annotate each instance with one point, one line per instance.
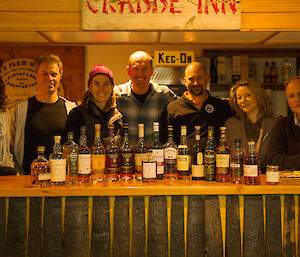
(197, 107)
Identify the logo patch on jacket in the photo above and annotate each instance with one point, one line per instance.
(209, 108)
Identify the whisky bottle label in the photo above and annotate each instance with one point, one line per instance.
(58, 170)
(138, 159)
(73, 162)
(170, 153)
(158, 156)
(272, 176)
(84, 164)
(197, 170)
(222, 160)
(126, 163)
(149, 170)
(98, 163)
(44, 176)
(251, 170)
(183, 162)
(209, 157)
(199, 158)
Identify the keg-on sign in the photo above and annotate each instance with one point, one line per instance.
(173, 58)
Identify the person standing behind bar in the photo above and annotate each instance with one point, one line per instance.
(197, 107)
(140, 100)
(98, 106)
(284, 147)
(41, 117)
(250, 101)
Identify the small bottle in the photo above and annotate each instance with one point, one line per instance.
(252, 72)
(274, 72)
(40, 169)
(70, 150)
(58, 163)
(127, 159)
(170, 151)
(213, 71)
(157, 151)
(236, 163)
(113, 158)
(140, 153)
(210, 156)
(272, 175)
(197, 157)
(84, 158)
(98, 157)
(251, 165)
(267, 73)
(183, 157)
(222, 158)
(286, 70)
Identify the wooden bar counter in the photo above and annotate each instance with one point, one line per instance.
(183, 218)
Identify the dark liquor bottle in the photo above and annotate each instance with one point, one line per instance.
(84, 158)
(213, 71)
(70, 150)
(170, 151)
(222, 158)
(40, 168)
(251, 165)
(140, 153)
(58, 163)
(252, 72)
(127, 159)
(98, 157)
(197, 157)
(183, 157)
(286, 70)
(157, 151)
(236, 163)
(210, 156)
(113, 158)
(274, 72)
(267, 73)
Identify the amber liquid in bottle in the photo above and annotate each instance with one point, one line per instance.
(210, 156)
(251, 165)
(236, 163)
(127, 160)
(40, 169)
(140, 153)
(84, 158)
(222, 158)
(170, 150)
(183, 157)
(197, 158)
(70, 150)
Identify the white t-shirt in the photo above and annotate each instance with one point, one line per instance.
(6, 158)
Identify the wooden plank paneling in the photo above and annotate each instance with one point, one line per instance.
(76, 230)
(16, 228)
(2, 225)
(289, 242)
(158, 227)
(100, 228)
(195, 243)
(121, 239)
(177, 227)
(270, 5)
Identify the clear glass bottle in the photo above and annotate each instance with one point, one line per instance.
(236, 163)
(183, 157)
(84, 158)
(98, 157)
(210, 156)
(140, 153)
(113, 160)
(197, 157)
(149, 169)
(70, 150)
(286, 70)
(157, 152)
(170, 151)
(40, 169)
(272, 175)
(251, 165)
(222, 158)
(127, 158)
(58, 163)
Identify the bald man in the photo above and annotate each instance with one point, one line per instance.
(196, 106)
(140, 100)
(284, 147)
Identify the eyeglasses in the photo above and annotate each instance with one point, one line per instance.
(286, 83)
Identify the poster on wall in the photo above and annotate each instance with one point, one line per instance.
(161, 15)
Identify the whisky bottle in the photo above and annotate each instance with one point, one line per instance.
(40, 169)
(197, 157)
(183, 157)
(222, 158)
(113, 160)
(140, 153)
(70, 150)
(267, 73)
(127, 159)
(274, 72)
(98, 157)
(251, 165)
(157, 151)
(170, 150)
(58, 163)
(210, 156)
(236, 163)
(286, 70)
(84, 158)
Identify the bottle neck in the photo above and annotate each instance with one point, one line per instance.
(251, 149)
(83, 141)
(41, 154)
(170, 136)
(125, 138)
(155, 137)
(183, 139)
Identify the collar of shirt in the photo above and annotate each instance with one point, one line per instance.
(188, 95)
(297, 121)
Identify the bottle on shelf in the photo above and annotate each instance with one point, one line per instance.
(98, 157)
(236, 163)
(252, 72)
(272, 175)
(58, 163)
(251, 165)
(183, 157)
(274, 73)
(170, 151)
(267, 73)
(222, 158)
(157, 151)
(286, 70)
(127, 158)
(197, 157)
(149, 169)
(210, 156)
(113, 157)
(84, 158)
(140, 153)
(70, 150)
(40, 169)
(213, 71)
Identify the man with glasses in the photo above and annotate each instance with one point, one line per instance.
(284, 147)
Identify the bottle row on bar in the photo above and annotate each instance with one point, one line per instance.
(73, 163)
